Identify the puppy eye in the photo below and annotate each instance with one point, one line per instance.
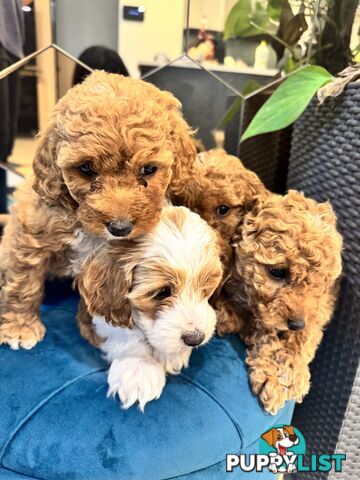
(87, 170)
(148, 170)
(163, 293)
(222, 210)
(279, 273)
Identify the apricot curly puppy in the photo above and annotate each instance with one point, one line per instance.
(113, 149)
(282, 292)
(222, 191)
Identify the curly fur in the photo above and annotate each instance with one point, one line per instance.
(298, 234)
(117, 125)
(221, 179)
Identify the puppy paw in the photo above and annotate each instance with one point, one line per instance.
(20, 332)
(136, 380)
(301, 385)
(272, 394)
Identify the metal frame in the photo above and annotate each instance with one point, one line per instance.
(20, 63)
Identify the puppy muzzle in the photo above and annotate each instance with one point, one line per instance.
(193, 339)
(121, 228)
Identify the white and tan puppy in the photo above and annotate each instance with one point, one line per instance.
(162, 282)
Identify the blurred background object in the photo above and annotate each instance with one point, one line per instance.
(216, 56)
(99, 58)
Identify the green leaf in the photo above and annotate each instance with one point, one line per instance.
(238, 22)
(249, 87)
(274, 9)
(260, 17)
(288, 101)
(238, 16)
(230, 112)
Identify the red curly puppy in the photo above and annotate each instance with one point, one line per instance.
(113, 149)
(281, 289)
(222, 191)
(282, 292)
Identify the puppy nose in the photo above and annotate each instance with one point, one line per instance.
(293, 438)
(193, 339)
(296, 323)
(121, 228)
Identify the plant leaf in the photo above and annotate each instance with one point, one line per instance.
(274, 9)
(294, 29)
(239, 14)
(238, 22)
(230, 112)
(260, 17)
(288, 101)
(249, 87)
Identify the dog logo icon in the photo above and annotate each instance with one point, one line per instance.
(284, 445)
(282, 449)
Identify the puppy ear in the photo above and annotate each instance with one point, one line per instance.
(103, 284)
(250, 223)
(289, 429)
(48, 181)
(226, 254)
(269, 437)
(184, 152)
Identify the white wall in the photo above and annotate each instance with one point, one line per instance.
(83, 23)
(161, 32)
(207, 13)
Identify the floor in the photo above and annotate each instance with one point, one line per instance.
(21, 159)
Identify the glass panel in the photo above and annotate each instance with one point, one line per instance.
(205, 100)
(19, 122)
(18, 32)
(258, 39)
(140, 31)
(26, 98)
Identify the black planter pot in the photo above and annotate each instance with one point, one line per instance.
(325, 165)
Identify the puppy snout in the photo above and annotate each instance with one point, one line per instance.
(121, 228)
(293, 438)
(296, 323)
(193, 339)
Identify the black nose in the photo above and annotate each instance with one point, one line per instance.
(293, 438)
(120, 228)
(296, 324)
(193, 339)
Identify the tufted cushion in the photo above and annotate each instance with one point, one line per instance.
(56, 422)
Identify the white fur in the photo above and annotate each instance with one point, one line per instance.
(134, 374)
(182, 248)
(185, 249)
(140, 357)
(186, 315)
(83, 246)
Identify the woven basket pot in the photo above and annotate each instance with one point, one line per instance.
(325, 165)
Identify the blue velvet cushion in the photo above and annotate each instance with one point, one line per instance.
(56, 422)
